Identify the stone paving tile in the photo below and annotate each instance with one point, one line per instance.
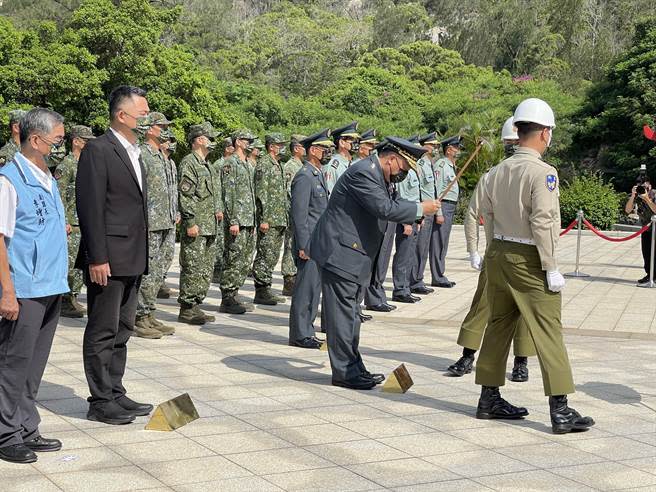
(29, 483)
(249, 484)
(184, 471)
(645, 464)
(615, 448)
(124, 478)
(397, 473)
(279, 461)
(607, 476)
(448, 486)
(317, 434)
(531, 481)
(487, 463)
(68, 461)
(323, 479)
(355, 452)
(549, 455)
(164, 450)
(242, 442)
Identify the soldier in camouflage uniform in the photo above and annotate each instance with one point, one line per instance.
(168, 148)
(162, 191)
(273, 209)
(237, 175)
(13, 144)
(201, 219)
(291, 167)
(65, 175)
(228, 150)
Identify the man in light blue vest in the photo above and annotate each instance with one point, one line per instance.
(33, 276)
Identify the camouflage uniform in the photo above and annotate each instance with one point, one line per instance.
(198, 206)
(272, 202)
(237, 177)
(11, 147)
(162, 210)
(65, 175)
(291, 167)
(218, 263)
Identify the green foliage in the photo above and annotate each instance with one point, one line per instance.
(598, 200)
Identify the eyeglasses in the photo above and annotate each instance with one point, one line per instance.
(56, 143)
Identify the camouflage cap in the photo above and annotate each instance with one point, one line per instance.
(256, 144)
(275, 138)
(159, 119)
(227, 142)
(243, 134)
(15, 115)
(296, 139)
(81, 131)
(205, 129)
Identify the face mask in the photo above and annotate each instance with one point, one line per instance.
(325, 158)
(510, 149)
(211, 145)
(172, 147)
(57, 152)
(549, 140)
(282, 151)
(398, 177)
(163, 136)
(143, 125)
(355, 146)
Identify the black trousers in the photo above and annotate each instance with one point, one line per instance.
(24, 350)
(341, 321)
(112, 310)
(305, 301)
(645, 240)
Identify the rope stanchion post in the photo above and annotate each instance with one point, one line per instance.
(650, 284)
(577, 272)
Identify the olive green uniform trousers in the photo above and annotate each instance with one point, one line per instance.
(517, 287)
(473, 327)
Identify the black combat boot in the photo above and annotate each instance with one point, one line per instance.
(565, 419)
(288, 285)
(230, 305)
(464, 364)
(492, 406)
(520, 370)
(264, 296)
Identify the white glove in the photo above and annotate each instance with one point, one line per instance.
(555, 281)
(475, 260)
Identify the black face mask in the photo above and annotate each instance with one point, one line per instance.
(398, 177)
(510, 149)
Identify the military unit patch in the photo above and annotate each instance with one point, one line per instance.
(226, 169)
(186, 185)
(552, 182)
(57, 174)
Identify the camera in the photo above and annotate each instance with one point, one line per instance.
(640, 190)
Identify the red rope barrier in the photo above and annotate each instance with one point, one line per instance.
(569, 227)
(615, 239)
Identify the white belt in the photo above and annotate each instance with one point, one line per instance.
(511, 239)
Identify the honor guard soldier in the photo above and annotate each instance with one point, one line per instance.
(445, 172)
(427, 191)
(309, 201)
(473, 326)
(201, 223)
(168, 148)
(237, 175)
(521, 211)
(344, 139)
(162, 215)
(65, 175)
(291, 167)
(273, 205)
(13, 144)
(346, 241)
(228, 150)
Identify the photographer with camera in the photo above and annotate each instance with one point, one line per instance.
(642, 197)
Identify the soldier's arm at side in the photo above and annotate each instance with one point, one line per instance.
(485, 211)
(377, 202)
(544, 212)
(187, 190)
(262, 187)
(228, 179)
(472, 220)
(301, 190)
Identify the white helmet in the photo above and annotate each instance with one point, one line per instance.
(535, 110)
(509, 131)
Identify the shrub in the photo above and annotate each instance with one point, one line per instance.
(599, 201)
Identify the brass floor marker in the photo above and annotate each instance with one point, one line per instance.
(173, 414)
(399, 381)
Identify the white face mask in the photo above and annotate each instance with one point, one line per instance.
(550, 135)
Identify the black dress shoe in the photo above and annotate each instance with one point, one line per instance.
(492, 406)
(565, 419)
(42, 445)
(520, 370)
(110, 413)
(443, 285)
(365, 317)
(422, 290)
(139, 409)
(17, 453)
(359, 383)
(381, 308)
(416, 298)
(308, 343)
(406, 298)
(462, 366)
(377, 377)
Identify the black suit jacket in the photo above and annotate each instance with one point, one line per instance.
(112, 209)
(309, 201)
(349, 233)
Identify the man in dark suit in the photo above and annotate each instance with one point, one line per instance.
(111, 205)
(309, 200)
(347, 239)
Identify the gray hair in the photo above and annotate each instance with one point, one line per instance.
(39, 120)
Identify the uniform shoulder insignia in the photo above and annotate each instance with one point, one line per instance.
(57, 174)
(552, 182)
(225, 169)
(334, 163)
(186, 185)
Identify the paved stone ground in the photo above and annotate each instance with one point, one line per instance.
(270, 420)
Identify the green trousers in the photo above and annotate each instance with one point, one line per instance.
(473, 327)
(288, 266)
(237, 259)
(218, 263)
(517, 286)
(269, 244)
(75, 280)
(197, 255)
(161, 249)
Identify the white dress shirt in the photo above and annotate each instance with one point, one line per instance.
(134, 152)
(9, 198)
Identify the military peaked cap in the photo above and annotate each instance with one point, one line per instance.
(369, 137)
(406, 149)
(321, 139)
(350, 130)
